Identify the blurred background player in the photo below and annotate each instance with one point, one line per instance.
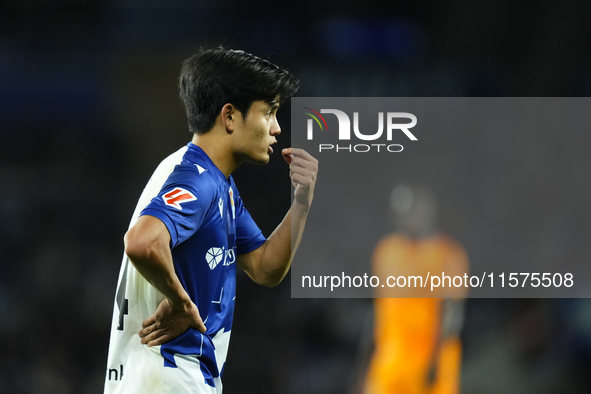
(417, 346)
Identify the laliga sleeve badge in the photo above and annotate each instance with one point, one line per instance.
(177, 197)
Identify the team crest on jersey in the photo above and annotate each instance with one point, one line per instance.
(177, 197)
(232, 204)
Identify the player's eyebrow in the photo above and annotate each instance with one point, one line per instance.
(275, 103)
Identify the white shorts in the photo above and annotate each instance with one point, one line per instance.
(144, 373)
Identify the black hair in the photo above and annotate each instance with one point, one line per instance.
(213, 77)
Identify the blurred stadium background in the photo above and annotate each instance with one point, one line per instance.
(89, 107)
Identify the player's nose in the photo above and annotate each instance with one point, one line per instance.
(275, 128)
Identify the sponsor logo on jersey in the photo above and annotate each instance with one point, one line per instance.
(115, 374)
(177, 197)
(221, 205)
(214, 256)
(230, 257)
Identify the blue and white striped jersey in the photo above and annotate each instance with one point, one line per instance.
(209, 227)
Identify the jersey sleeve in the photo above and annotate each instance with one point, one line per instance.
(181, 204)
(248, 235)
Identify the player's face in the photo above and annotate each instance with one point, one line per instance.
(257, 133)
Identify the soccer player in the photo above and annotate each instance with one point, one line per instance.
(175, 300)
(417, 344)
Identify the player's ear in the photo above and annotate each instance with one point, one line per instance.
(228, 115)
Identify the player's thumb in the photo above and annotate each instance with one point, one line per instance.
(201, 327)
(198, 322)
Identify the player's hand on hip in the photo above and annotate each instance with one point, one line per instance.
(303, 170)
(169, 321)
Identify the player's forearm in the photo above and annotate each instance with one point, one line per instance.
(281, 246)
(300, 214)
(269, 264)
(155, 268)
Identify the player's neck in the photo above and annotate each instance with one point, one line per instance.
(217, 146)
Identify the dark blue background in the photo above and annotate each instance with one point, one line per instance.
(89, 106)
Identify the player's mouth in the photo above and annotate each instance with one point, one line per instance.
(270, 150)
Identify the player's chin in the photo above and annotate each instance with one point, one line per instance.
(260, 159)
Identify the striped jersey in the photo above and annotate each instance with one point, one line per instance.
(209, 227)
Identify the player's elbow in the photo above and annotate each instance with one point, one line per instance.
(271, 279)
(137, 248)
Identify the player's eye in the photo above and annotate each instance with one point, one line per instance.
(271, 113)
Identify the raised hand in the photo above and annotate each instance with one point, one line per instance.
(303, 170)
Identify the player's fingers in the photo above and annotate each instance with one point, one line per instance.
(199, 325)
(146, 331)
(149, 321)
(146, 338)
(160, 340)
(300, 162)
(297, 152)
(302, 171)
(300, 180)
(286, 153)
(201, 328)
(197, 321)
(152, 336)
